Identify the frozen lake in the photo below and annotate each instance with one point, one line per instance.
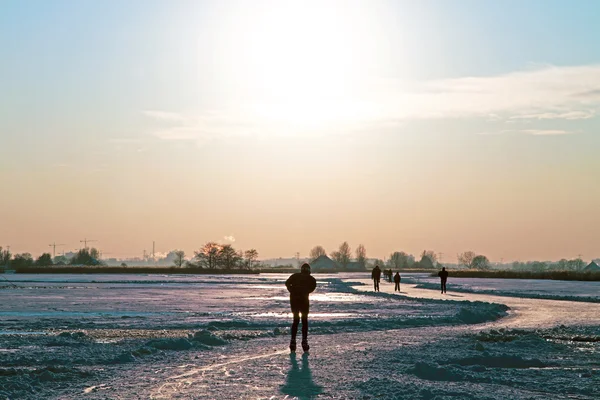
(163, 336)
(517, 287)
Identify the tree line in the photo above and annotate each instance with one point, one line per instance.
(25, 260)
(396, 260)
(222, 256)
(210, 256)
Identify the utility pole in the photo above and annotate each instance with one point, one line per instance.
(53, 245)
(298, 258)
(85, 241)
(153, 250)
(440, 254)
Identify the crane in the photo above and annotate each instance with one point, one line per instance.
(85, 241)
(53, 245)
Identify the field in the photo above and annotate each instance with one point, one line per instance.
(225, 336)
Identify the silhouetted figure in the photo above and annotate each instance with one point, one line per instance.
(390, 274)
(376, 276)
(299, 383)
(397, 281)
(300, 285)
(443, 274)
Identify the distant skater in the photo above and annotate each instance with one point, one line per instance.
(376, 276)
(300, 285)
(443, 274)
(397, 281)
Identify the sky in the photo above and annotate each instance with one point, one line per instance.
(281, 125)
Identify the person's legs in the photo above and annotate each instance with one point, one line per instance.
(376, 285)
(304, 327)
(397, 287)
(304, 312)
(444, 286)
(295, 324)
(296, 312)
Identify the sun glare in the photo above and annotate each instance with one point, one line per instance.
(306, 61)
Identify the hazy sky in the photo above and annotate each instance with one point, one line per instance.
(443, 125)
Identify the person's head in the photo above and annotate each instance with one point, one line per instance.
(305, 269)
(443, 268)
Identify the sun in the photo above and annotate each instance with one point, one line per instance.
(306, 61)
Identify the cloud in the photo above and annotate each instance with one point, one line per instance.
(543, 93)
(229, 238)
(544, 132)
(163, 115)
(124, 140)
(571, 115)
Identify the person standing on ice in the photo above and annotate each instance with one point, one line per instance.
(376, 276)
(397, 281)
(300, 285)
(443, 274)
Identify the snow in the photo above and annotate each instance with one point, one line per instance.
(124, 336)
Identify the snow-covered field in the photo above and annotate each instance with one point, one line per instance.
(150, 336)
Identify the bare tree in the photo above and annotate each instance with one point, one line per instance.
(343, 255)
(5, 256)
(208, 255)
(251, 256)
(317, 252)
(466, 259)
(229, 258)
(400, 259)
(576, 264)
(179, 258)
(361, 255)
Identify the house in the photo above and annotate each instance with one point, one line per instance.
(323, 263)
(592, 267)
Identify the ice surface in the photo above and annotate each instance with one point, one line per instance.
(148, 336)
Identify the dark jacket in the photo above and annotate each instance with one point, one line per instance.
(443, 275)
(376, 274)
(397, 278)
(300, 285)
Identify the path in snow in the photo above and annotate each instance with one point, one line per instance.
(524, 313)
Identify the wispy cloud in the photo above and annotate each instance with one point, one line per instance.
(571, 115)
(124, 140)
(543, 94)
(163, 115)
(545, 132)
